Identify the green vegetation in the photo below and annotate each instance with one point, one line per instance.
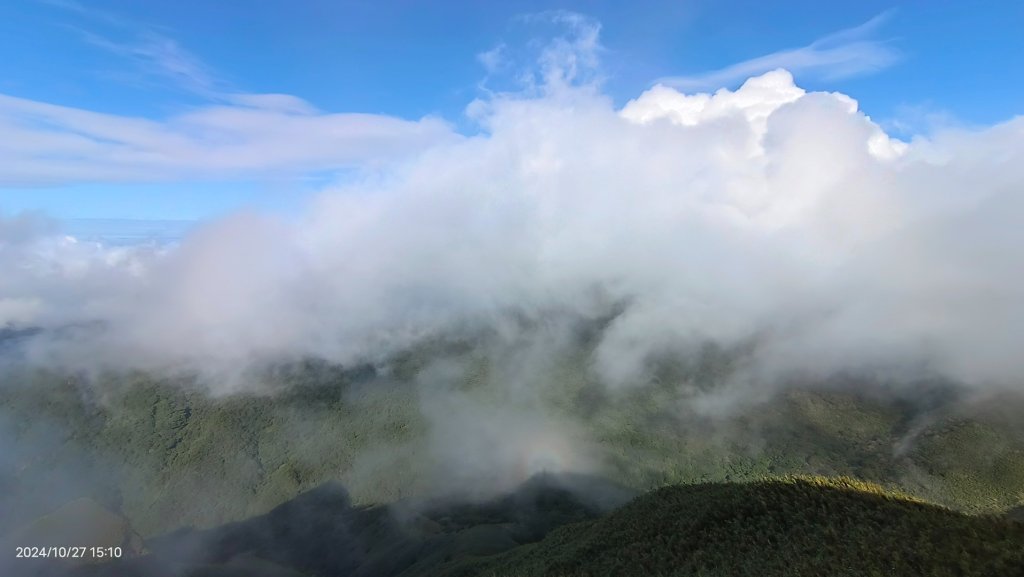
(137, 453)
(237, 481)
(321, 533)
(165, 454)
(782, 527)
(796, 526)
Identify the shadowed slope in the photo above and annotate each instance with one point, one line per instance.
(793, 526)
(322, 533)
(801, 526)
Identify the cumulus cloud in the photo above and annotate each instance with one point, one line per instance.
(781, 220)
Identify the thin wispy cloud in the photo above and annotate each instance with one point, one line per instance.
(233, 134)
(571, 59)
(851, 52)
(88, 12)
(255, 135)
(151, 51)
(157, 55)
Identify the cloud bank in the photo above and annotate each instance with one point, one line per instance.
(768, 217)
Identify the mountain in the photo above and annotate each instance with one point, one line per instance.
(461, 426)
(797, 526)
(166, 454)
(321, 533)
(784, 527)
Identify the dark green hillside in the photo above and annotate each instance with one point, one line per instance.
(806, 526)
(321, 533)
(811, 526)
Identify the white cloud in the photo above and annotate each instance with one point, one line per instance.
(277, 102)
(570, 58)
(151, 53)
(492, 59)
(47, 144)
(756, 100)
(850, 52)
(234, 135)
(157, 55)
(769, 217)
(765, 213)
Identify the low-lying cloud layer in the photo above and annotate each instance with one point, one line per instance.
(770, 217)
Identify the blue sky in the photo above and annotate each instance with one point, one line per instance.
(414, 67)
